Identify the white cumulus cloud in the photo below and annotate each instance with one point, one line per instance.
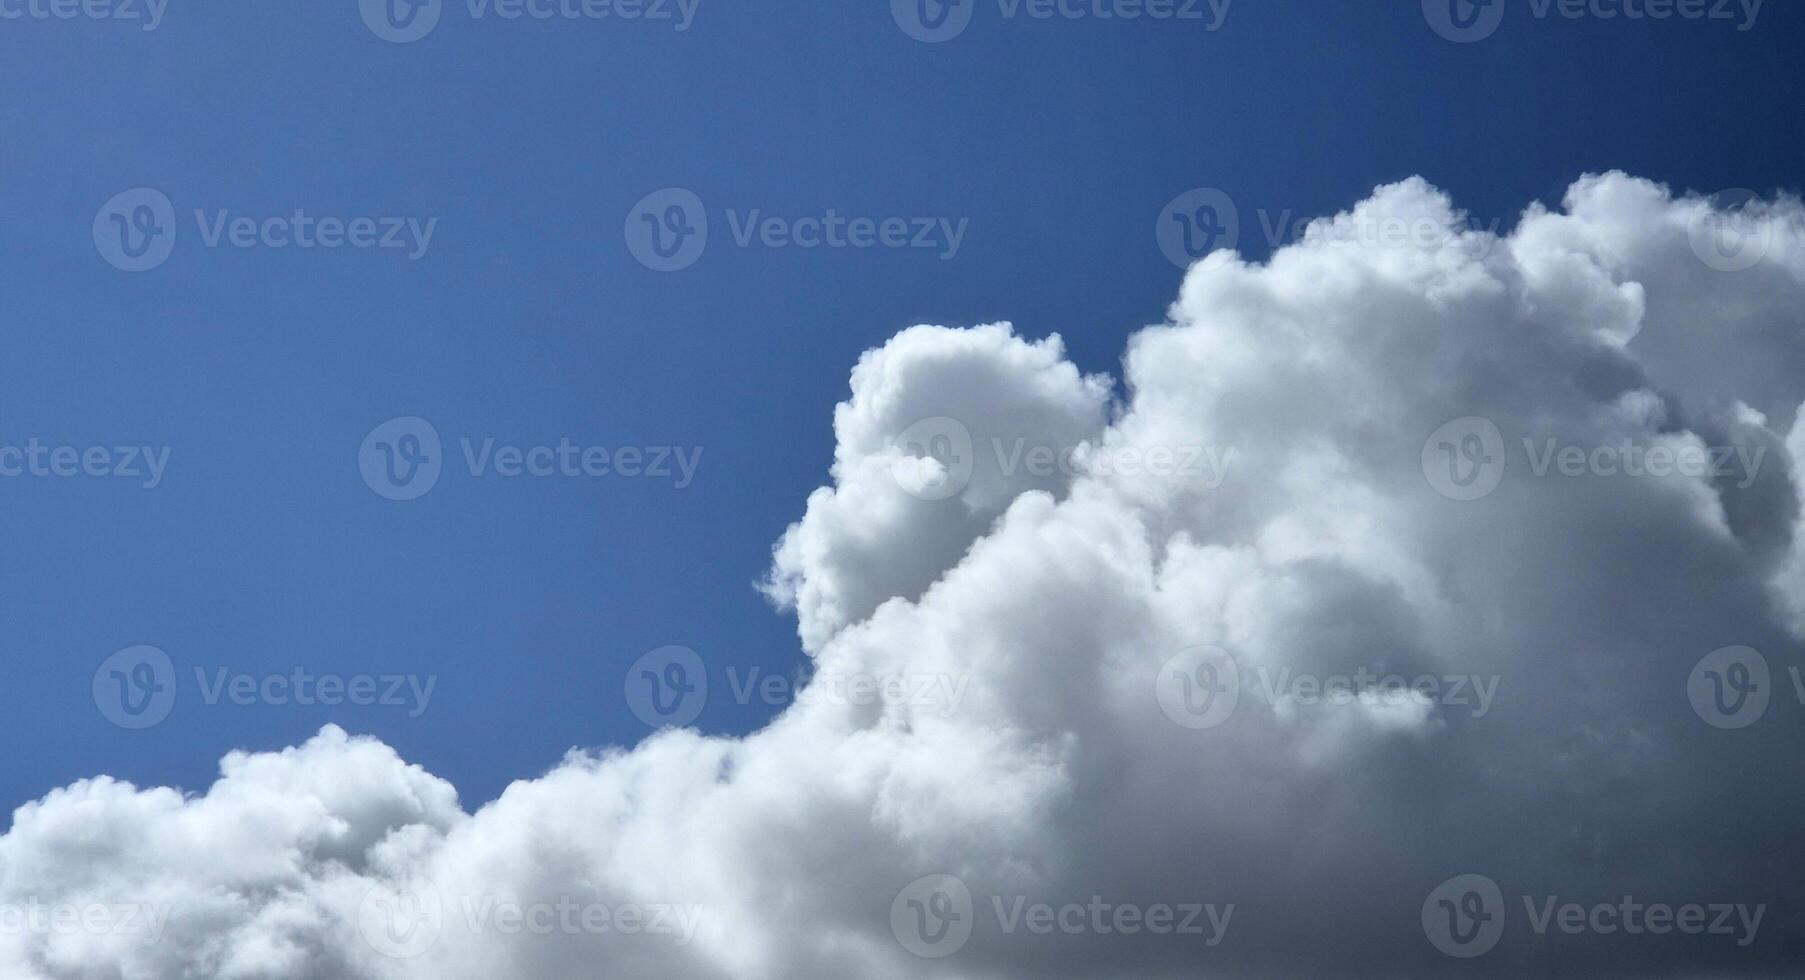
(1166, 609)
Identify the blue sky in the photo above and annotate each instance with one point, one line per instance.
(1055, 143)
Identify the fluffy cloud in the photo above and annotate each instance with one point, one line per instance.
(1139, 604)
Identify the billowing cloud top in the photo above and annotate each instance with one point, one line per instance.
(1423, 605)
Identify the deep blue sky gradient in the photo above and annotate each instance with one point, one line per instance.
(529, 320)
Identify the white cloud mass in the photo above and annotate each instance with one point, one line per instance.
(1060, 596)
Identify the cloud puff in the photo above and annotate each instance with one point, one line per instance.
(1140, 722)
